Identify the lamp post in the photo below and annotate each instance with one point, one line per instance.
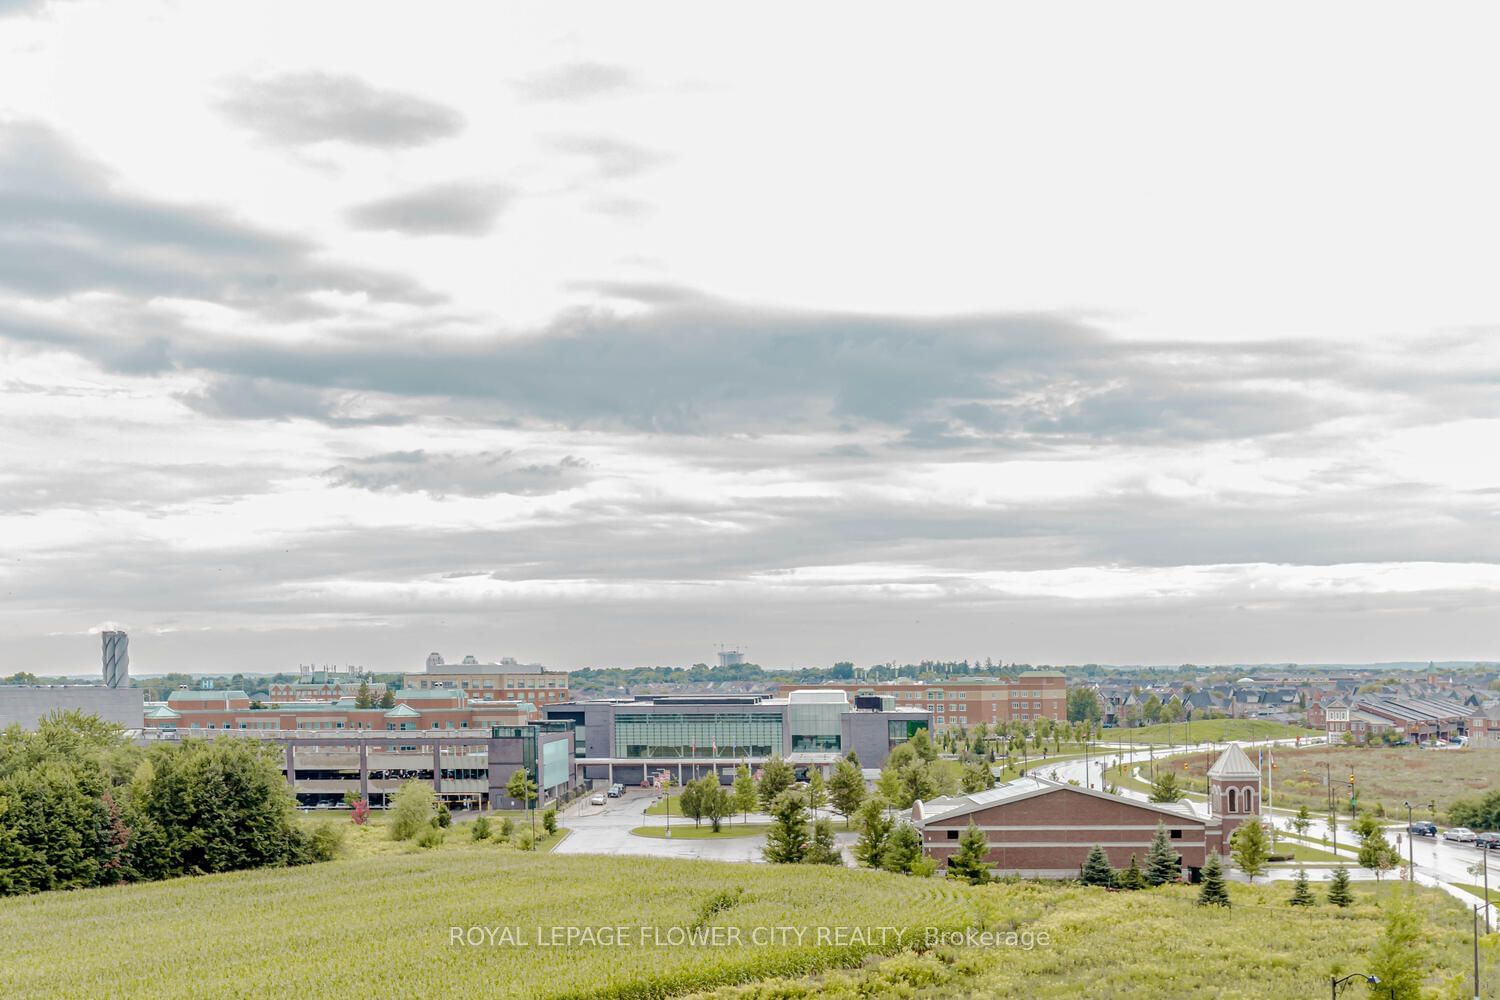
(1411, 846)
(1334, 984)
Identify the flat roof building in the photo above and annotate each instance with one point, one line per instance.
(504, 679)
(968, 701)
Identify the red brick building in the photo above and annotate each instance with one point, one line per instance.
(969, 701)
(187, 711)
(1038, 828)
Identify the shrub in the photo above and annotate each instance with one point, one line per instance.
(413, 809)
(549, 821)
(480, 828)
(507, 829)
(525, 839)
(443, 816)
(430, 837)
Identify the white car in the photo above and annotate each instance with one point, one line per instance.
(1459, 834)
(598, 800)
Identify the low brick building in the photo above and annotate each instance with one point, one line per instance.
(1038, 828)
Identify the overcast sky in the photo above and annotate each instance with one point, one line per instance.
(344, 332)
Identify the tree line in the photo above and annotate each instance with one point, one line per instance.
(80, 806)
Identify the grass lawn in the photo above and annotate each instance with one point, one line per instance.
(1384, 776)
(660, 807)
(1478, 890)
(704, 832)
(1213, 730)
(373, 839)
(1305, 852)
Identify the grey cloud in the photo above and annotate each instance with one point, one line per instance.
(577, 81)
(64, 229)
(453, 474)
(452, 209)
(311, 107)
(241, 398)
(613, 158)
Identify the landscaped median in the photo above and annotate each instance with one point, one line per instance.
(689, 832)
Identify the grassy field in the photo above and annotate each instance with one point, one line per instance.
(705, 832)
(383, 926)
(1383, 775)
(380, 926)
(1103, 946)
(372, 839)
(1210, 730)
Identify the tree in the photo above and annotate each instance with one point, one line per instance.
(388, 699)
(1375, 852)
(412, 810)
(1095, 869)
(1250, 847)
(1302, 821)
(786, 841)
(1166, 788)
(1301, 894)
(903, 849)
(817, 792)
(775, 777)
(441, 815)
(846, 789)
(715, 802)
(971, 863)
(1213, 892)
(1162, 863)
(364, 698)
(1398, 958)
(521, 788)
(1083, 705)
(480, 828)
(1338, 888)
(690, 802)
(875, 829)
(745, 797)
(1478, 813)
(977, 777)
(1132, 878)
(549, 821)
(823, 850)
(507, 829)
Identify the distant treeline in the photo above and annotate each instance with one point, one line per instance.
(80, 806)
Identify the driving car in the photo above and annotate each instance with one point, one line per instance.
(1487, 841)
(597, 800)
(1421, 828)
(1459, 834)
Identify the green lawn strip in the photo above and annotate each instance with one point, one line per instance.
(705, 832)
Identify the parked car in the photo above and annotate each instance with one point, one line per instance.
(1487, 841)
(597, 800)
(1459, 834)
(1422, 829)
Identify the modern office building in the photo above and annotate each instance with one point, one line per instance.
(448, 710)
(26, 706)
(695, 734)
(506, 679)
(969, 701)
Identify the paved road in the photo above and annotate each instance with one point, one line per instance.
(606, 830)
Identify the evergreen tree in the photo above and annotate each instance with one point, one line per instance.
(1250, 848)
(1214, 892)
(549, 821)
(971, 862)
(745, 797)
(921, 743)
(1399, 956)
(1338, 888)
(903, 849)
(388, 699)
(977, 777)
(1165, 788)
(1096, 869)
(1132, 878)
(1162, 863)
(846, 789)
(480, 828)
(786, 841)
(364, 699)
(875, 829)
(1302, 821)
(823, 850)
(1301, 894)
(776, 776)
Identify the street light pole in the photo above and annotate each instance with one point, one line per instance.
(1411, 846)
(1334, 984)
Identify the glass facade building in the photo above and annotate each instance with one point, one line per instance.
(815, 724)
(698, 734)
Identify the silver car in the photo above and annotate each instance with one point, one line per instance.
(1459, 834)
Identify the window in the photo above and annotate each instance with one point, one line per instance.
(952, 834)
(1176, 834)
(1232, 801)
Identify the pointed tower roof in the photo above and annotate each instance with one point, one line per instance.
(1233, 763)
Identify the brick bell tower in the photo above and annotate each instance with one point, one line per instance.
(1234, 791)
